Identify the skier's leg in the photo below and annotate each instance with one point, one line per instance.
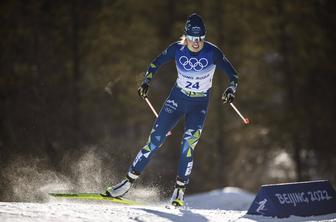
(168, 117)
(193, 128)
(192, 132)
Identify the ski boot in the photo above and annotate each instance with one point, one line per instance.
(177, 199)
(121, 188)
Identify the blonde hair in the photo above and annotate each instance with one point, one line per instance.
(183, 40)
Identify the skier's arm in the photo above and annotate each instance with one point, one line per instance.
(166, 56)
(224, 64)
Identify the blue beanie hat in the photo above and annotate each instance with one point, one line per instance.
(194, 26)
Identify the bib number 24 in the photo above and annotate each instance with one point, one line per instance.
(190, 85)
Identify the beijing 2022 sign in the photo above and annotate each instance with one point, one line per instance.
(299, 199)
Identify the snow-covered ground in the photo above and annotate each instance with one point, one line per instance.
(228, 204)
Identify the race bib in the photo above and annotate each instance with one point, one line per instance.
(194, 74)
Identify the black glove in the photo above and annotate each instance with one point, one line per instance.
(143, 90)
(228, 95)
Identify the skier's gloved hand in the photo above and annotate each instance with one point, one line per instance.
(228, 95)
(143, 90)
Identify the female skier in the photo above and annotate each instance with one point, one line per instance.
(196, 60)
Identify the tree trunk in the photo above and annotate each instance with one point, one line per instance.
(289, 84)
(76, 99)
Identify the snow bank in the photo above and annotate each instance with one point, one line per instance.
(229, 198)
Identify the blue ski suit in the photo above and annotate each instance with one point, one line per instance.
(189, 98)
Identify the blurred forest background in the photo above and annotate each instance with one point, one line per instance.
(59, 125)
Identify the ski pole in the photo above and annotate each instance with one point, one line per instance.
(152, 108)
(246, 120)
(154, 111)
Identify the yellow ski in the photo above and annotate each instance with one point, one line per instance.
(93, 196)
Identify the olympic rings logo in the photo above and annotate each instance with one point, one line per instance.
(193, 63)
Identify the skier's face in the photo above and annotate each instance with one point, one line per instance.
(195, 44)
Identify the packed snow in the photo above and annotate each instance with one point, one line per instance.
(228, 204)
